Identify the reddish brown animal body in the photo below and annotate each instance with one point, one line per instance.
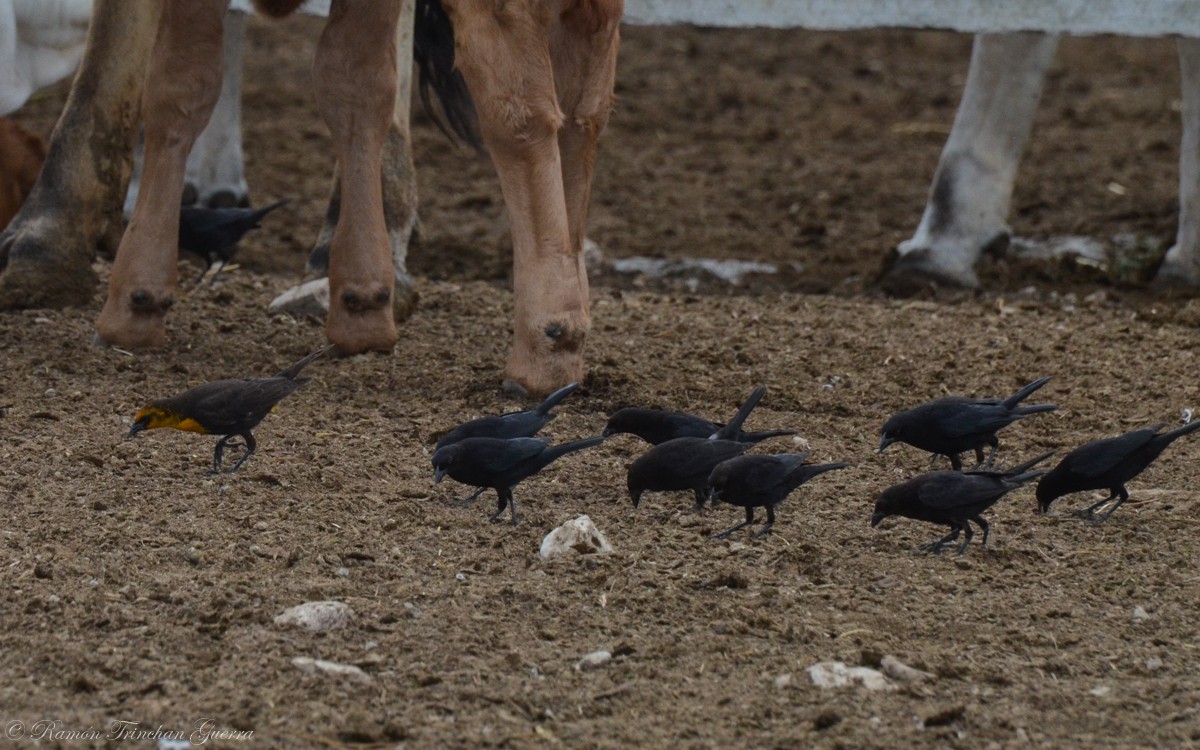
(541, 73)
(21, 157)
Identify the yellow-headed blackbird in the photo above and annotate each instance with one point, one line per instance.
(230, 408)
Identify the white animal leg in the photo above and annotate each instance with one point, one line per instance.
(1181, 267)
(968, 202)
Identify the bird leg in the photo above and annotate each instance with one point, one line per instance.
(955, 461)
(936, 546)
(213, 280)
(1124, 495)
(469, 500)
(250, 446)
(701, 497)
(1090, 511)
(749, 520)
(505, 498)
(983, 525)
(995, 443)
(218, 453)
(966, 527)
(766, 529)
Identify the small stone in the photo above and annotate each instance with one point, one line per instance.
(577, 536)
(314, 666)
(831, 674)
(321, 615)
(1154, 663)
(1139, 614)
(342, 572)
(783, 681)
(460, 577)
(309, 298)
(1100, 691)
(593, 660)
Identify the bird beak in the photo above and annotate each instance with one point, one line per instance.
(438, 474)
(883, 443)
(607, 433)
(877, 517)
(135, 429)
(636, 497)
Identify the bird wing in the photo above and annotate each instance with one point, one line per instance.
(974, 418)
(944, 490)
(1101, 456)
(502, 455)
(231, 405)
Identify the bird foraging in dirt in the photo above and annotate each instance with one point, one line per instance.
(685, 463)
(1107, 464)
(512, 425)
(762, 482)
(953, 425)
(212, 234)
(229, 408)
(954, 499)
(657, 426)
(500, 464)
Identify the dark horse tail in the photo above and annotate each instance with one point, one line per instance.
(433, 51)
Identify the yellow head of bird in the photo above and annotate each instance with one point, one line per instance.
(153, 417)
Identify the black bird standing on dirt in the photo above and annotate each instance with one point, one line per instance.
(685, 463)
(213, 233)
(762, 481)
(953, 425)
(512, 425)
(500, 464)
(230, 408)
(953, 499)
(657, 426)
(1107, 464)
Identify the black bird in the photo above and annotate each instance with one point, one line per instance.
(213, 233)
(685, 463)
(1107, 464)
(762, 481)
(950, 426)
(953, 499)
(657, 426)
(229, 408)
(512, 425)
(500, 464)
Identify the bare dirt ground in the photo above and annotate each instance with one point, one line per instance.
(137, 589)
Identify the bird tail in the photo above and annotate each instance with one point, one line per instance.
(731, 430)
(1024, 411)
(1011, 402)
(1180, 432)
(758, 437)
(553, 453)
(553, 399)
(260, 213)
(812, 470)
(1021, 473)
(291, 372)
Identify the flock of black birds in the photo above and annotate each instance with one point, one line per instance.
(689, 453)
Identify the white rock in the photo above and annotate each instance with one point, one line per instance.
(1139, 615)
(1100, 691)
(593, 660)
(783, 681)
(831, 674)
(332, 668)
(309, 298)
(579, 535)
(901, 672)
(317, 615)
